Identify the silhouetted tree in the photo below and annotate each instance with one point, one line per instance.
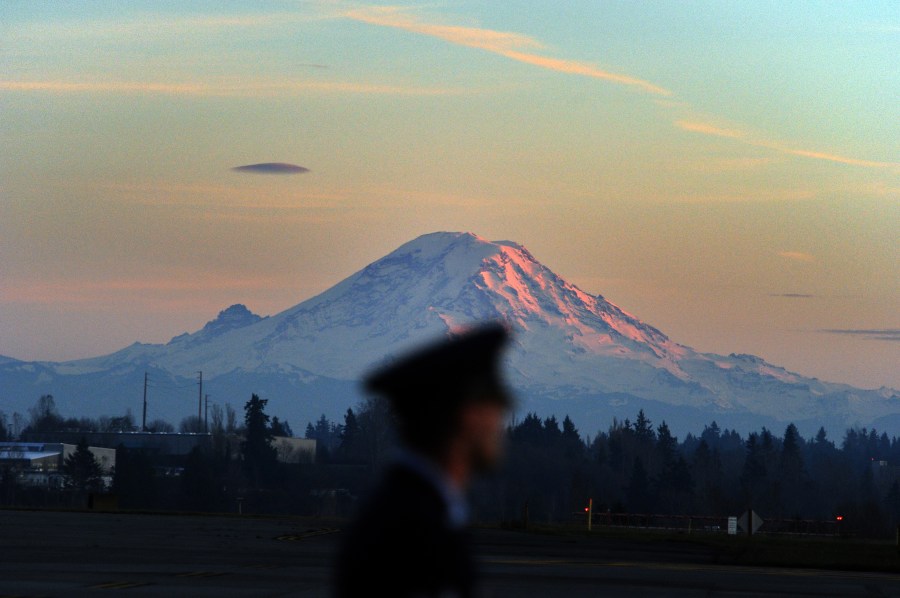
(160, 426)
(638, 497)
(191, 425)
(122, 423)
(44, 416)
(351, 448)
(281, 428)
(573, 446)
(792, 477)
(708, 479)
(82, 470)
(260, 457)
(643, 429)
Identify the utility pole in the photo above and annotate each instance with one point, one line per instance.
(206, 414)
(200, 401)
(590, 512)
(144, 421)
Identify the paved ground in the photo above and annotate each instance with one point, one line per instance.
(96, 554)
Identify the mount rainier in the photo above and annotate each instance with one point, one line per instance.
(572, 353)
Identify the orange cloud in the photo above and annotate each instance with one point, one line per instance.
(834, 158)
(707, 129)
(797, 256)
(744, 137)
(259, 89)
(503, 43)
(89, 291)
(485, 39)
(110, 86)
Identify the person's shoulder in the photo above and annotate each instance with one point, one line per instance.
(402, 522)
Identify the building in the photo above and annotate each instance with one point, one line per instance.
(41, 463)
(295, 450)
(159, 443)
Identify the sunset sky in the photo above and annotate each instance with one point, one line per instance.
(729, 172)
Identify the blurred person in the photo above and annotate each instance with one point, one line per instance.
(450, 408)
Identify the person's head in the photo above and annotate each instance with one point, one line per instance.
(448, 396)
(479, 436)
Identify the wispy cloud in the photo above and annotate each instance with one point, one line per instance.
(882, 334)
(728, 164)
(798, 256)
(260, 89)
(90, 291)
(708, 129)
(271, 168)
(125, 87)
(156, 24)
(792, 295)
(742, 196)
(166, 193)
(508, 44)
(749, 139)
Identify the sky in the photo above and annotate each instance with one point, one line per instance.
(729, 172)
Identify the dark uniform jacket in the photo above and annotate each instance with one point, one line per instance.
(404, 544)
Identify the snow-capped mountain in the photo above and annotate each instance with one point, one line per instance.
(573, 353)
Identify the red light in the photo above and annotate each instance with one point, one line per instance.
(586, 509)
(840, 517)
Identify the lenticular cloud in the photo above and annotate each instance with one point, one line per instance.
(271, 168)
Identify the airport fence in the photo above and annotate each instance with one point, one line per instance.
(710, 524)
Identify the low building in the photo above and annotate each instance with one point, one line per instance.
(295, 450)
(41, 463)
(160, 443)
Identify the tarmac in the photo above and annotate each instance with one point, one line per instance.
(53, 553)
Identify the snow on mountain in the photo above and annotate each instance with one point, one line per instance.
(573, 352)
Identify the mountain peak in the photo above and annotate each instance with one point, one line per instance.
(235, 316)
(572, 352)
(231, 318)
(437, 244)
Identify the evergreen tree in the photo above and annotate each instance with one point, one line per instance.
(351, 447)
(281, 428)
(792, 480)
(552, 433)
(638, 496)
(666, 445)
(572, 445)
(530, 431)
(822, 437)
(82, 470)
(260, 457)
(673, 485)
(711, 435)
(753, 474)
(708, 479)
(643, 428)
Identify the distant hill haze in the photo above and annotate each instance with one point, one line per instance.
(573, 353)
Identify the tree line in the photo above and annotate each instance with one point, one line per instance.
(631, 467)
(641, 467)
